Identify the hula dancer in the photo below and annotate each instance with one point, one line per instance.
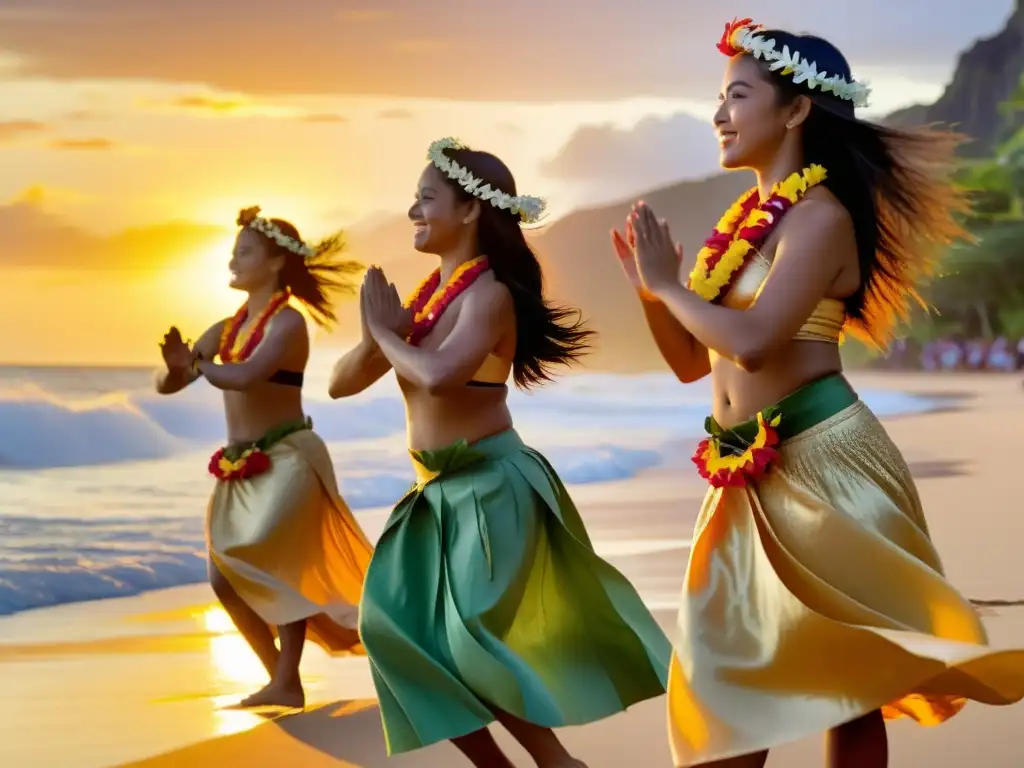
(485, 600)
(814, 599)
(286, 555)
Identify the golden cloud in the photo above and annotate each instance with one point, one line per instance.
(35, 237)
(210, 103)
(38, 195)
(83, 145)
(12, 130)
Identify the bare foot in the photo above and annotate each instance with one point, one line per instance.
(277, 695)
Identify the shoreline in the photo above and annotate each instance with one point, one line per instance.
(171, 666)
(938, 394)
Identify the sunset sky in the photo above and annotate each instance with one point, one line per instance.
(132, 131)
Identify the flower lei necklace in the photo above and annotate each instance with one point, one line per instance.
(235, 348)
(742, 229)
(428, 304)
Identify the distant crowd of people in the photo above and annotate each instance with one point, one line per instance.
(953, 354)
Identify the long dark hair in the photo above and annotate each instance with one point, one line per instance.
(547, 335)
(315, 280)
(895, 183)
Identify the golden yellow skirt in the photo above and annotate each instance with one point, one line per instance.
(814, 595)
(289, 545)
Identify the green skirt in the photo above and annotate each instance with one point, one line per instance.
(484, 593)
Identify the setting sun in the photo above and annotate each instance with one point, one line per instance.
(208, 279)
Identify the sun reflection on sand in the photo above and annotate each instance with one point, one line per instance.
(235, 668)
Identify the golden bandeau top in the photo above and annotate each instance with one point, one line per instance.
(825, 322)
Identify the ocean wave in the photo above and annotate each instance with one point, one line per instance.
(103, 492)
(51, 561)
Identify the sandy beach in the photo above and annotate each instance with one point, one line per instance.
(146, 680)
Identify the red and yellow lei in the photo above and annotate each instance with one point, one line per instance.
(251, 462)
(428, 304)
(235, 347)
(743, 229)
(734, 469)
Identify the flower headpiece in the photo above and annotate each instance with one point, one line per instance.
(249, 217)
(741, 36)
(530, 209)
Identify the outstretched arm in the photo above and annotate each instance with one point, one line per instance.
(170, 381)
(284, 333)
(482, 317)
(807, 261)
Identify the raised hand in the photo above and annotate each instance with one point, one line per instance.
(364, 323)
(657, 257)
(177, 353)
(624, 246)
(382, 305)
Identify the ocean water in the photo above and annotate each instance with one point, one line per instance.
(103, 483)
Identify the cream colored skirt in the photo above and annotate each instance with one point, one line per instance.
(814, 596)
(289, 545)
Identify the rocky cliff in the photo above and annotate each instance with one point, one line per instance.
(986, 75)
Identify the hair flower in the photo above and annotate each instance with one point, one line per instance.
(530, 209)
(744, 36)
(249, 217)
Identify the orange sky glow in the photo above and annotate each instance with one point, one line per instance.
(127, 156)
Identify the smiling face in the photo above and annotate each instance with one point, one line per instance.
(750, 121)
(253, 266)
(440, 219)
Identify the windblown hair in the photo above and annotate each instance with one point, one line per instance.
(896, 184)
(547, 335)
(318, 279)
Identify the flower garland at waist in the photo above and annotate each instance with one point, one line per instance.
(235, 346)
(428, 304)
(241, 462)
(743, 229)
(733, 468)
(250, 463)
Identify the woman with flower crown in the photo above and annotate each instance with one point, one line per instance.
(814, 599)
(286, 555)
(484, 600)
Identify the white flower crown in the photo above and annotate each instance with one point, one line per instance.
(745, 37)
(530, 209)
(250, 218)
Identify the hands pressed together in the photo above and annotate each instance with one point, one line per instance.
(646, 251)
(381, 306)
(178, 354)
